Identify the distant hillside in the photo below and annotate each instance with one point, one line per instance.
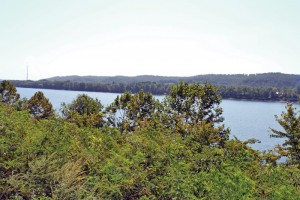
(117, 79)
(253, 80)
(262, 87)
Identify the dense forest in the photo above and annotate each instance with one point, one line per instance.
(139, 148)
(262, 87)
(253, 80)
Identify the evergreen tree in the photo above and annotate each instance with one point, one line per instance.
(84, 111)
(290, 122)
(130, 110)
(8, 93)
(40, 107)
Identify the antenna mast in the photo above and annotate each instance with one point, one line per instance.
(27, 73)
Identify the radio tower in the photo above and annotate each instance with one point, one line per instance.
(27, 72)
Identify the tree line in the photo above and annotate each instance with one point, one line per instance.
(278, 80)
(139, 148)
(227, 92)
(259, 93)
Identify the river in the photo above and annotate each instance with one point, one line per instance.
(246, 119)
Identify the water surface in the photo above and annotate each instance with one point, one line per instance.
(246, 119)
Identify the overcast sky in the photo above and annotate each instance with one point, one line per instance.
(157, 37)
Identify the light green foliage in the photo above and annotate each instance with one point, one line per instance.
(40, 158)
(224, 184)
(84, 111)
(46, 175)
(8, 93)
(40, 107)
(290, 122)
(279, 182)
(57, 159)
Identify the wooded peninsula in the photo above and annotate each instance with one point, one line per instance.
(262, 87)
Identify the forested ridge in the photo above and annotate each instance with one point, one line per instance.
(253, 80)
(263, 87)
(139, 148)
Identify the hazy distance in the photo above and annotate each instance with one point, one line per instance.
(169, 38)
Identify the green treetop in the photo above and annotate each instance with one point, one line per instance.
(8, 93)
(40, 107)
(131, 110)
(84, 111)
(290, 122)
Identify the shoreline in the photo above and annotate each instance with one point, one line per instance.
(257, 100)
(236, 99)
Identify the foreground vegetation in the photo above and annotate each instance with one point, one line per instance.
(138, 148)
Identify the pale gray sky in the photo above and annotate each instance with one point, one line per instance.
(158, 37)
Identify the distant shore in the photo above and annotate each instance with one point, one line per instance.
(237, 99)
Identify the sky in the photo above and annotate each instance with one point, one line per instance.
(148, 37)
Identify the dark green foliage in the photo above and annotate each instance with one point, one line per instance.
(83, 105)
(40, 107)
(290, 122)
(266, 87)
(130, 111)
(254, 80)
(189, 108)
(194, 103)
(84, 111)
(8, 93)
(261, 93)
(153, 87)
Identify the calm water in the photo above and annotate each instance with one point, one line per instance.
(246, 119)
